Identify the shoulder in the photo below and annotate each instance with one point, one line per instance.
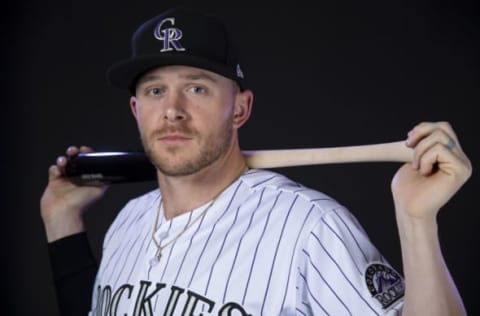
(316, 212)
(140, 205)
(134, 211)
(273, 184)
(145, 199)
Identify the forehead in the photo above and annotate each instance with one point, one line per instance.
(181, 72)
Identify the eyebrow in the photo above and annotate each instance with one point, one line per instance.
(189, 76)
(200, 76)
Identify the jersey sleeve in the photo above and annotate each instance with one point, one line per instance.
(73, 268)
(340, 272)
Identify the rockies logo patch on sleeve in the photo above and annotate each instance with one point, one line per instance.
(384, 283)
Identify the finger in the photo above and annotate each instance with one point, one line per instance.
(61, 163)
(86, 149)
(435, 158)
(54, 172)
(72, 151)
(427, 135)
(426, 128)
(437, 137)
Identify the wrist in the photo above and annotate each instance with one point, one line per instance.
(62, 225)
(415, 220)
(418, 237)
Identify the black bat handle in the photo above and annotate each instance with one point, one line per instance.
(98, 168)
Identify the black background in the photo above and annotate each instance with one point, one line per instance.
(343, 73)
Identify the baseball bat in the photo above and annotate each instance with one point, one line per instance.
(388, 152)
(132, 166)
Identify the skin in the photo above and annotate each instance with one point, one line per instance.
(419, 190)
(188, 120)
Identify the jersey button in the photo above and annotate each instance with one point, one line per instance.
(162, 235)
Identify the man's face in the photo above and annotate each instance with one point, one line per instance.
(185, 117)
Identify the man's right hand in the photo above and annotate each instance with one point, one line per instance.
(63, 202)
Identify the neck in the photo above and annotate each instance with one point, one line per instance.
(185, 193)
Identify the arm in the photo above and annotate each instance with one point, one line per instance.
(73, 264)
(74, 269)
(420, 189)
(63, 203)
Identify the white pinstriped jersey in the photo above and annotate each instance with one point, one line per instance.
(267, 246)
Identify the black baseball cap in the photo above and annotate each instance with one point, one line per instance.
(179, 36)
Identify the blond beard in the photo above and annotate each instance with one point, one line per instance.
(214, 148)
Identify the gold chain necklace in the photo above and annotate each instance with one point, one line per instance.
(158, 255)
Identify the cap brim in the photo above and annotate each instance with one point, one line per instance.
(125, 73)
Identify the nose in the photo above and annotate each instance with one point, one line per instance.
(175, 110)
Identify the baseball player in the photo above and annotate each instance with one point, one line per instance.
(217, 238)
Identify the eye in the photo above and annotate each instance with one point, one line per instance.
(154, 91)
(198, 90)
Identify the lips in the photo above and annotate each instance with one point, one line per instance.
(173, 135)
(173, 138)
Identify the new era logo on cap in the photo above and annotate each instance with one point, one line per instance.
(179, 37)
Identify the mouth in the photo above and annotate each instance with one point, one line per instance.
(173, 138)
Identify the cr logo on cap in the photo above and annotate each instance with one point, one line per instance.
(170, 36)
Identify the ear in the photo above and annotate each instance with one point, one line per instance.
(243, 108)
(133, 106)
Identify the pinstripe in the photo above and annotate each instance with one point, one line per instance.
(173, 245)
(250, 250)
(307, 307)
(258, 245)
(106, 263)
(295, 247)
(300, 190)
(299, 311)
(352, 235)
(188, 248)
(321, 199)
(117, 230)
(263, 181)
(325, 281)
(220, 251)
(211, 232)
(311, 295)
(343, 273)
(128, 252)
(144, 243)
(121, 222)
(240, 243)
(343, 243)
(133, 205)
(120, 252)
(276, 250)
